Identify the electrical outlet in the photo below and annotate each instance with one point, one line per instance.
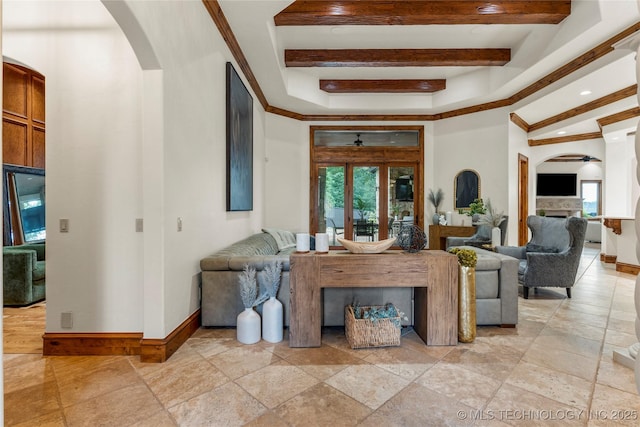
(139, 225)
(179, 224)
(66, 320)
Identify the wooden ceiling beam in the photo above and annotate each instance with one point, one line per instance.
(383, 86)
(519, 121)
(618, 117)
(396, 57)
(416, 12)
(585, 108)
(566, 138)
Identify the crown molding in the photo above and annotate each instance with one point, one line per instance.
(586, 58)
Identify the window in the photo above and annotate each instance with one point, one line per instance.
(591, 194)
(366, 181)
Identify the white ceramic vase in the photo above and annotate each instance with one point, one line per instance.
(496, 234)
(272, 320)
(248, 326)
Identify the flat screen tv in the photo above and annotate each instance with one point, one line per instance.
(557, 184)
(404, 189)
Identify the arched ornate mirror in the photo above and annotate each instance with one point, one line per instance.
(466, 188)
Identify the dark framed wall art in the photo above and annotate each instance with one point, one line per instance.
(466, 188)
(239, 144)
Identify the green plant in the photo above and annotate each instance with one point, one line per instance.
(491, 217)
(362, 206)
(476, 207)
(542, 212)
(466, 257)
(436, 198)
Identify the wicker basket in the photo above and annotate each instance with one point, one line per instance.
(365, 333)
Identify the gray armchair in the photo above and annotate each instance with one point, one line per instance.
(23, 274)
(552, 256)
(481, 237)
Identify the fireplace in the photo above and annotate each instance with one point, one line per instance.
(559, 207)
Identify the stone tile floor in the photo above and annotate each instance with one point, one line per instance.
(555, 368)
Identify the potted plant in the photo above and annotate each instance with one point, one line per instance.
(467, 260)
(436, 198)
(476, 208)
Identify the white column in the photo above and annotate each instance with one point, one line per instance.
(629, 357)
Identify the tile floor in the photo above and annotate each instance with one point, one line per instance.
(555, 368)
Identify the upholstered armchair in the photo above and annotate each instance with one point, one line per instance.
(481, 237)
(23, 274)
(552, 256)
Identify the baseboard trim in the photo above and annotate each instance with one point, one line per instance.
(120, 344)
(627, 268)
(91, 344)
(159, 350)
(609, 259)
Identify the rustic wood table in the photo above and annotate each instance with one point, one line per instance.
(438, 234)
(433, 274)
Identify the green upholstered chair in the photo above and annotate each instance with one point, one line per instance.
(23, 274)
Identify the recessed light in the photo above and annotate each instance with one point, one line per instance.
(489, 9)
(585, 92)
(562, 132)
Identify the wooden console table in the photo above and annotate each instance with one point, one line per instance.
(433, 274)
(438, 234)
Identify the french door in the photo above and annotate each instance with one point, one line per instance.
(366, 181)
(364, 201)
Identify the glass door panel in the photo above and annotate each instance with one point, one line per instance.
(330, 208)
(400, 195)
(366, 203)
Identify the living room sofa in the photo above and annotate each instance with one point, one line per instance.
(23, 274)
(221, 301)
(496, 288)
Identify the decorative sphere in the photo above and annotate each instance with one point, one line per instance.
(411, 238)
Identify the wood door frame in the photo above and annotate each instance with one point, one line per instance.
(379, 156)
(523, 199)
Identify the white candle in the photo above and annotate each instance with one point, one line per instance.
(322, 242)
(303, 242)
(449, 217)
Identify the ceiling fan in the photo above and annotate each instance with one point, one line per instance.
(358, 142)
(575, 158)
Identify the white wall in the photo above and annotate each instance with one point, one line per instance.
(287, 174)
(193, 61)
(475, 141)
(621, 185)
(93, 159)
(99, 175)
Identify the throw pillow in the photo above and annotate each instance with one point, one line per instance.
(284, 238)
(531, 247)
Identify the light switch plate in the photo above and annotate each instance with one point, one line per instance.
(139, 225)
(64, 225)
(179, 224)
(66, 320)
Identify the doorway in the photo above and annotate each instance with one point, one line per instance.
(23, 150)
(366, 181)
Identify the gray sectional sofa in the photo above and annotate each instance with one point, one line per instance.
(496, 288)
(221, 301)
(496, 285)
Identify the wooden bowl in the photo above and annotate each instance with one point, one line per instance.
(367, 247)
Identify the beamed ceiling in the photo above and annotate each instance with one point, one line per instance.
(430, 60)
